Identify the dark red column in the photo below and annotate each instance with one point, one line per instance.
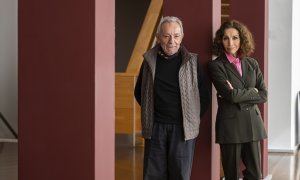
(254, 14)
(66, 89)
(200, 20)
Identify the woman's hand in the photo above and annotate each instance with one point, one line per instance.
(229, 85)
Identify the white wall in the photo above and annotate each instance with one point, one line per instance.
(8, 63)
(282, 76)
(296, 63)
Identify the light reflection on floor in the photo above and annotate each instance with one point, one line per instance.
(282, 166)
(128, 165)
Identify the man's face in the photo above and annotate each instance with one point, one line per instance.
(170, 38)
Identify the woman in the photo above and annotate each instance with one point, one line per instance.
(240, 87)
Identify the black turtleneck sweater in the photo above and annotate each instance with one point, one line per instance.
(167, 101)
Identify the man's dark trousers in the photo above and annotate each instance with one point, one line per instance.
(167, 155)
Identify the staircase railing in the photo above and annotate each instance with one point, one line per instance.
(126, 108)
(146, 36)
(6, 123)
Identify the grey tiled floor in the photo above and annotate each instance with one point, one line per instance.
(8, 161)
(282, 166)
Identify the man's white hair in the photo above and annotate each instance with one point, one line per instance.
(169, 19)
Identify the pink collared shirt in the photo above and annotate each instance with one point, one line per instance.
(236, 62)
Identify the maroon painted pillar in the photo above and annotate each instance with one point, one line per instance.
(66, 89)
(200, 20)
(256, 19)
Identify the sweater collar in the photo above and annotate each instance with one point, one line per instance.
(162, 54)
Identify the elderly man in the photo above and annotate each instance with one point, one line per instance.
(173, 95)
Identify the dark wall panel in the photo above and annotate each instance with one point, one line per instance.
(57, 89)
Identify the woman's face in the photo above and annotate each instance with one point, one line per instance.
(231, 41)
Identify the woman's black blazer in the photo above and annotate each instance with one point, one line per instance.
(238, 117)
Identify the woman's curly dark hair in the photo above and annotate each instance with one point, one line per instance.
(246, 39)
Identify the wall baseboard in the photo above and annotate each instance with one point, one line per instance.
(281, 150)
